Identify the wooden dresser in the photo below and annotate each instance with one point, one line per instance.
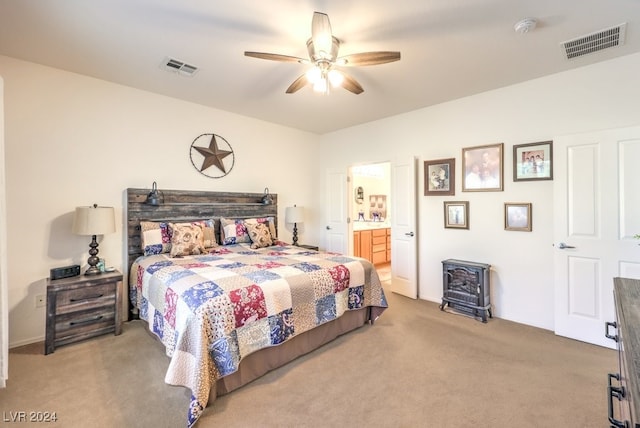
(81, 307)
(623, 393)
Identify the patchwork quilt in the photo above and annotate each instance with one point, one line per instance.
(212, 310)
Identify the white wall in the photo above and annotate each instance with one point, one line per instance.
(600, 96)
(73, 140)
(4, 305)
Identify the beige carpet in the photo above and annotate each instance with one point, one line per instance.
(416, 367)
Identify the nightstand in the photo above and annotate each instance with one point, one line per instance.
(309, 247)
(82, 307)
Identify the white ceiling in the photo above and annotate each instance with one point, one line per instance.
(450, 48)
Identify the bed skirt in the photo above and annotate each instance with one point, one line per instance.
(261, 362)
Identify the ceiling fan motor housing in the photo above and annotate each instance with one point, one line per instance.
(322, 55)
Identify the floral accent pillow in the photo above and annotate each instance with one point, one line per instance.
(187, 239)
(155, 237)
(259, 234)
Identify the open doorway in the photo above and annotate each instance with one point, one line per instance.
(369, 211)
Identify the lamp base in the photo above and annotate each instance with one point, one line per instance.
(295, 234)
(93, 259)
(92, 270)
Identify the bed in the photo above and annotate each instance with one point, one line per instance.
(235, 308)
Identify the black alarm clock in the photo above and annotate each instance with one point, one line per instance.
(64, 272)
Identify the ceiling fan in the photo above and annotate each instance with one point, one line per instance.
(323, 55)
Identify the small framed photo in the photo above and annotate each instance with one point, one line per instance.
(533, 161)
(482, 168)
(456, 215)
(517, 216)
(439, 177)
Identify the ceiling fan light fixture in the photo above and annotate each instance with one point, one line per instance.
(314, 74)
(335, 78)
(321, 85)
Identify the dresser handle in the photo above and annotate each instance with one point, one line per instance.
(619, 393)
(86, 321)
(95, 296)
(608, 324)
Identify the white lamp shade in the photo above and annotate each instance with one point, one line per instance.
(94, 221)
(294, 214)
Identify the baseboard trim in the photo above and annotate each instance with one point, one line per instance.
(26, 342)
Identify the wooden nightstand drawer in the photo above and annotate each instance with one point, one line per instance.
(82, 307)
(81, 325)
(86, 298)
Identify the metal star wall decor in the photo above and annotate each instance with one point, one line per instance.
(218, 153)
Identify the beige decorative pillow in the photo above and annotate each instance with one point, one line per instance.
(268, 221)
(259, 235)
(187, 239)
(209, 237)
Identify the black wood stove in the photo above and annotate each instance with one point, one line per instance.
(467, 288)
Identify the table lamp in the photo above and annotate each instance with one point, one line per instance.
(294, 215)
(93, 221)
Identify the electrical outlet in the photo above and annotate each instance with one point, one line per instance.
(40, 301)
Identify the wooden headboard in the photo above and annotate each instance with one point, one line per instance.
(188, 205)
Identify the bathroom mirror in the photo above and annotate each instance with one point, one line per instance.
(359, 194)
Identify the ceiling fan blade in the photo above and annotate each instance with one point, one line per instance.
(321, 33)
(297, 84)
(368, 58)
(350, 84)
(276, 57)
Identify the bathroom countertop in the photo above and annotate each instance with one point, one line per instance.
(367, 225)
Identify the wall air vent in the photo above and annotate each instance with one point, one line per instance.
(178, 66)
(594, 42)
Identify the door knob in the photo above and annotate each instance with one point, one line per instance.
(563, 246)
(409, 234)
(328, 227)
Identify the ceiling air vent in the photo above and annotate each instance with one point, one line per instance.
(178, 66)
(594, 42)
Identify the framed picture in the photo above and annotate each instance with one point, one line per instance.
(456, 215)
(439, 177)
(517, 216)
(533, 161)
(482, 168)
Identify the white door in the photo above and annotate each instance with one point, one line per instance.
(336, 212)
(596, 215)
(404, 236)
